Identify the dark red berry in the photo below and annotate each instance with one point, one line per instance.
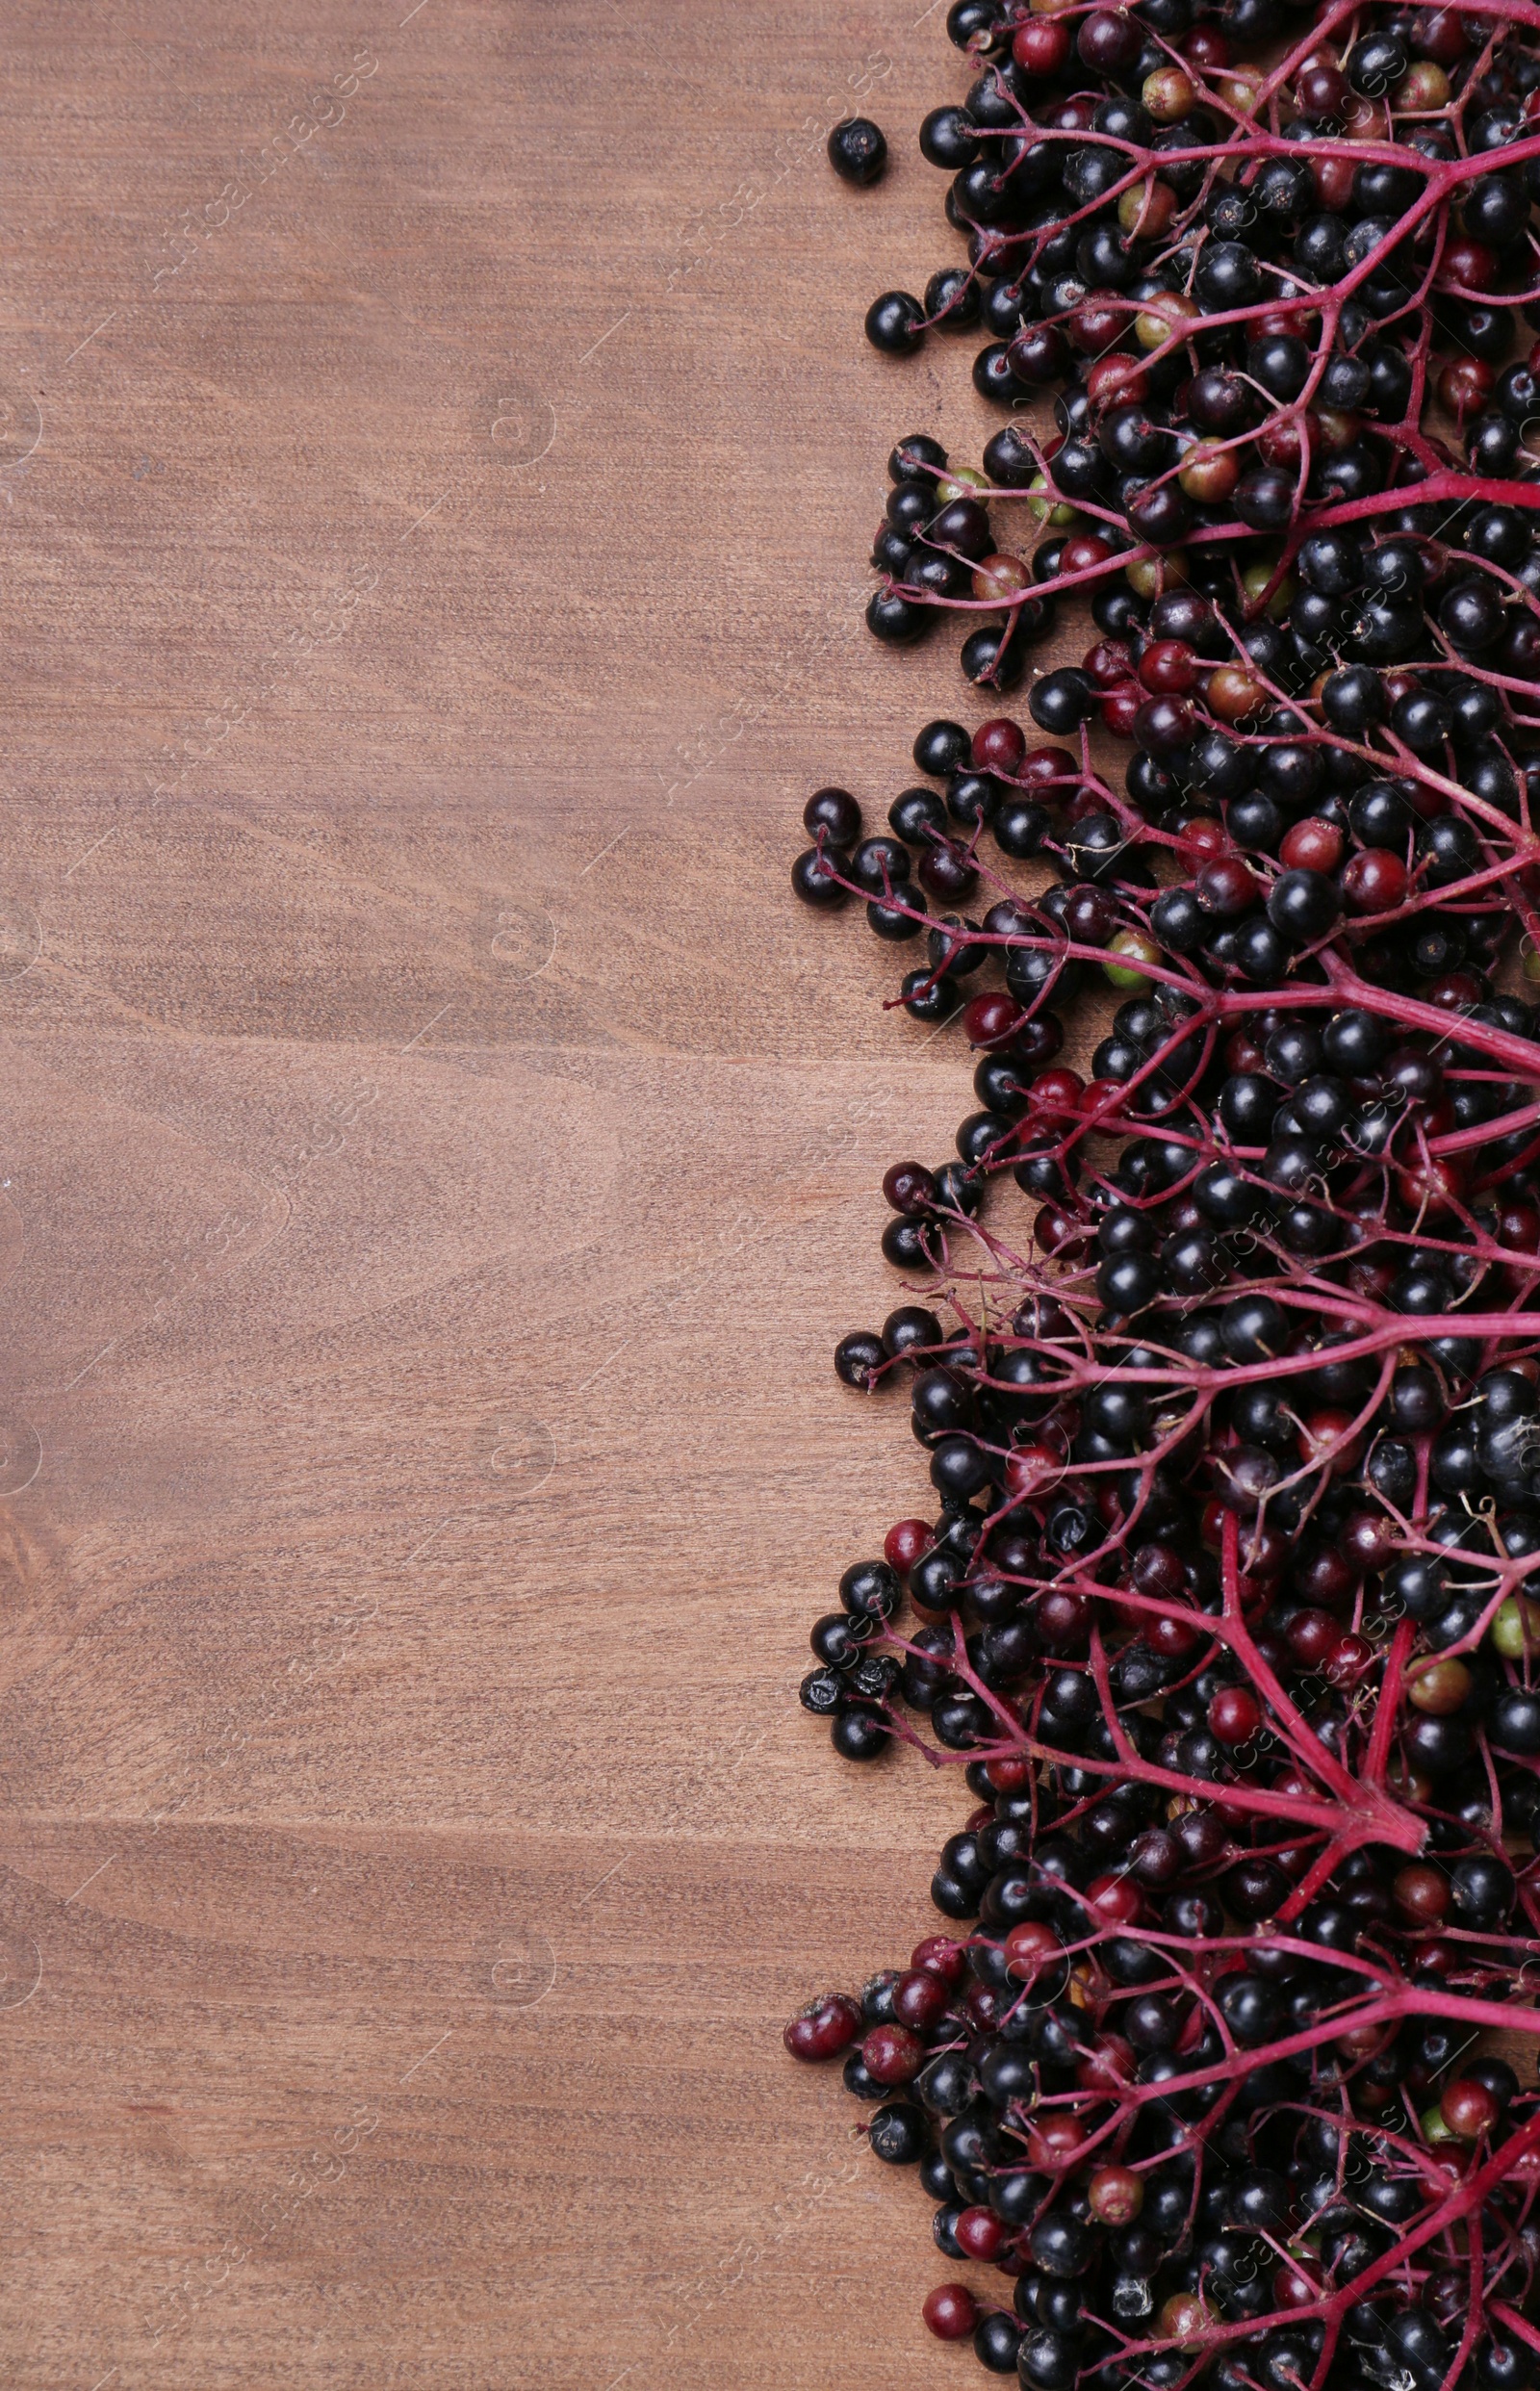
(825, 2028)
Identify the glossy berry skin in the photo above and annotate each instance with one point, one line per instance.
(896, 620)
(916, 457)
(949, 139)
(911, 1332)
(963, 526)
(1313, 845)
(816, 876)
(1305, 905)
(897, 2135)
(835, 812)
(1060, 701)
(1235, 1714)
(1037, 354)
(869, 1591)
(1496, 209)
(909, 1187)
(859, 1736)
(895, 324)
(973, 25)
(942, 748)
(1115, 2195)
(992, 660)
(999, 745)
(1107, 43)
(950, 2312)
(993, 378)
(1264, 500)
(1471, 616)
(858, 150)
(920, 2001)
(997, 2343)
(1354, 701)
(1423, 723)
(1515, 1725)
(1378, 64)
(906, 1542)
(1332, 562)
(892, 2054)
(919, 817)
(1062, 2246)
(880, 865)
(1469, 2109)
(857, 1359)
(1375, 882)
(1168, 667)
(980, 2234)
(826, 2027)
(1227, 887)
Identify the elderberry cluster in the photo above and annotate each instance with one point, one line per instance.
(1089, 2083)
(1266, 1234)
(1201, 2239)
(1230, 1612)
(1250, 292)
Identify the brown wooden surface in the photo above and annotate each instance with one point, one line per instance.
(436, 1162)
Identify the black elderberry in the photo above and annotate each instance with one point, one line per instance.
(895, 324)
(917, 816)
(1008, 459)
(897, 2133)
(952, 299)
(949, 139)
(992, 658)
(1471, 616)
(859, 1734)
(1319, 249)
(1061, 700)
(1264, 499)
(895, 619)
(974, 25)
(1354, 701)
(1304, 906)
(1004, 307)
(858, 150)
(942, 749)
(1377, 63)
(1280, 362)
(916, 457)
(1495, 208)
(1345, 382)
(1228, 276)
(816, 877)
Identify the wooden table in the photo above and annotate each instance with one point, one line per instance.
(437, 459)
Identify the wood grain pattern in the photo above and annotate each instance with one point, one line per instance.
(436, 1164)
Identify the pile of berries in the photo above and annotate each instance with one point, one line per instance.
(1227, 1614)
(1246, 291)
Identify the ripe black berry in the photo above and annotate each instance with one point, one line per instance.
(895, 324)
(858, 150)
